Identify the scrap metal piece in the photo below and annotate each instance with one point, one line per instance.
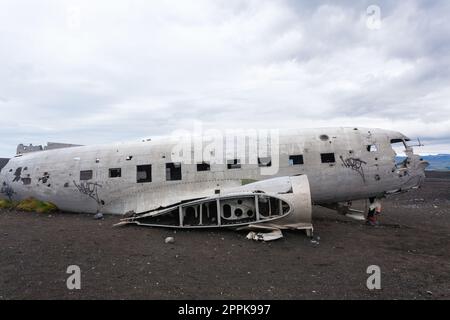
(98, 216)
(255, 204)
(169, 240)
(269, 236)
(356, 216)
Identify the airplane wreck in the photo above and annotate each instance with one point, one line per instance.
(150, 185)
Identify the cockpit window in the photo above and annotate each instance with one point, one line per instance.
(398, 140)
(399, 146)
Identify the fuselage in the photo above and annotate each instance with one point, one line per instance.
(342, 164)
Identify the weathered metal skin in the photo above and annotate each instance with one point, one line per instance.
(54, 175)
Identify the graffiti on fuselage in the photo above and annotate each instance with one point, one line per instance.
(17, 174)
(90, 189)
(7, 190)
(355, 164)
(45, 177)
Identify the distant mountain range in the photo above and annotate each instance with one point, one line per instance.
(439, 162)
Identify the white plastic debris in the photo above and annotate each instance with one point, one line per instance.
(169, 240)
(269, 236)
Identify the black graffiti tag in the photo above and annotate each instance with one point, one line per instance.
(17, 174)
(7, 190)
(90, 189)
(355, 164)
(44, 178)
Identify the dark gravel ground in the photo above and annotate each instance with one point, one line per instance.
(411, 246)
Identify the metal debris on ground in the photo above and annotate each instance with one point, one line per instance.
(169, 240)
(269, 236)
(356, 216)
(98, 216)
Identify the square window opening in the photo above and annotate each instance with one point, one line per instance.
(327, 158)
(372, 148)
(295, 160)
(144, 173)
(234, 164)
(115, 173)
(173, 171)
(265, 162)
(204, 166)
(86, 175)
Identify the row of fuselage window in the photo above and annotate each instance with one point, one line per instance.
(173, 170)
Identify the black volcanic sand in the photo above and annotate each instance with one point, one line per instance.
(412, 248)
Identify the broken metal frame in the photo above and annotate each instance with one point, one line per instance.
(218, 199)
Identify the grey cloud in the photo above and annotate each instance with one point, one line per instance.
(124, 71)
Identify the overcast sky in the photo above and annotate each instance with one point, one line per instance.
(102, 71)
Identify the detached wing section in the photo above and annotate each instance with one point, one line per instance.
(277, 203)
